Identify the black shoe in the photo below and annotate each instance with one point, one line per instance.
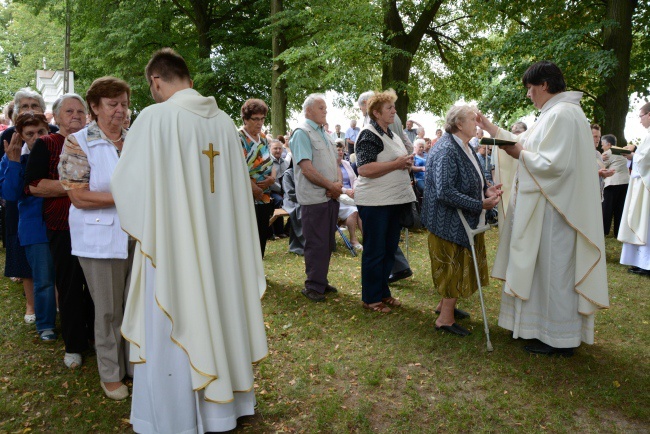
(314, 296)
(329, 289)
(633, 269)
(641, 272)
(400, 275)
(454, 329)
(547, 350)
(458, 314)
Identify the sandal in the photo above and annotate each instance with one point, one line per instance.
(378, 307)
(391, 301)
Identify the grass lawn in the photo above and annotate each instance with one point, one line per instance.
(337, 368)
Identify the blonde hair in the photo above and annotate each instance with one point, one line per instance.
(377, 101)
(456, 115)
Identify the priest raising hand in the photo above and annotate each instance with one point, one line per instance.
(551, 252)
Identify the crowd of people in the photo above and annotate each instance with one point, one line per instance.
(91, 207)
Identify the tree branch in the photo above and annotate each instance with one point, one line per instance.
(414, 37)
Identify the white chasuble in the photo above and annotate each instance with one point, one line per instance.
(635, 224)
(636, 213)
(182, 190)
(505, 168)
(555, 171)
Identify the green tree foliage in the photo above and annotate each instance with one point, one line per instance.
(355, 45)
(228, 57)
(25, 40)
(576, 35)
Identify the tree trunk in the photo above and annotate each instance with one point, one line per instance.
(395, 74)
(278, 87)
(396, 69)
(618, 39)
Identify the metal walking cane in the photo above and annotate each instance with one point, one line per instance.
(470, 234)
(346, 241)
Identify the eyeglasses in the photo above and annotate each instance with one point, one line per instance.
(258, 119)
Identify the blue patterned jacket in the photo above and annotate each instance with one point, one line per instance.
(451, 181)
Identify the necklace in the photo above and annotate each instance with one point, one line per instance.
(114, 141)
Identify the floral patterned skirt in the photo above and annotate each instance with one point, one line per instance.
(452, 268)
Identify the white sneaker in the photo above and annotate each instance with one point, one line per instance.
(72, 360)
(30, 319)
(358, 247)
(118, 394)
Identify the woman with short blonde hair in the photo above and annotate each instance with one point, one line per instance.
(383, 190)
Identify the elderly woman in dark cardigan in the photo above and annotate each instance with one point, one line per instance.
(454, 180)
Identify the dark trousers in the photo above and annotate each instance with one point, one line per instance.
(381, 231)
(613, 204)
(400, 264)
(263, 213)
(277, 228)
(318, 228)
(75, 304)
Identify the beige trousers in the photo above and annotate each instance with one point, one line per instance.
(108, 282)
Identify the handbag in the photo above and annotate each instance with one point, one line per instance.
(409, 217)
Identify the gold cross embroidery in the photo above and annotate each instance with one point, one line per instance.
(211, 153)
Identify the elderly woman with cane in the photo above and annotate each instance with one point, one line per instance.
(454, 180)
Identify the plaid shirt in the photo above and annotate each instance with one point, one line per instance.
(43, 164)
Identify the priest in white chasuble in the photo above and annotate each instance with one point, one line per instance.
(193, 316)
(635, 224)
(551, 253)
(505, 168)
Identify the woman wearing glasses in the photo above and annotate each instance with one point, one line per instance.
(259, 162)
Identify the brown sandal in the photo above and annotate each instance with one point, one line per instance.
(379, 307)
(391, 301)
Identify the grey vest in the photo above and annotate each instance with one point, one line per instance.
(323, 160)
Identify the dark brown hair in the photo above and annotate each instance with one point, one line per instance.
(105, 87)
(168, 65)
(29, 119)
(545, 72)
(253, 107)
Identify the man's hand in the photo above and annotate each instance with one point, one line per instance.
(487, 125)
(335, 190)
(513, 150)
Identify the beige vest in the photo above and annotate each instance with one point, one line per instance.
(392, 188)
(323, 160)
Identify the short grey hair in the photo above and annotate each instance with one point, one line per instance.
(365, 97)
(310, 100)
(519, 127)
(26, 93)
(56, 107)
(419, 142)
(456, 115)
